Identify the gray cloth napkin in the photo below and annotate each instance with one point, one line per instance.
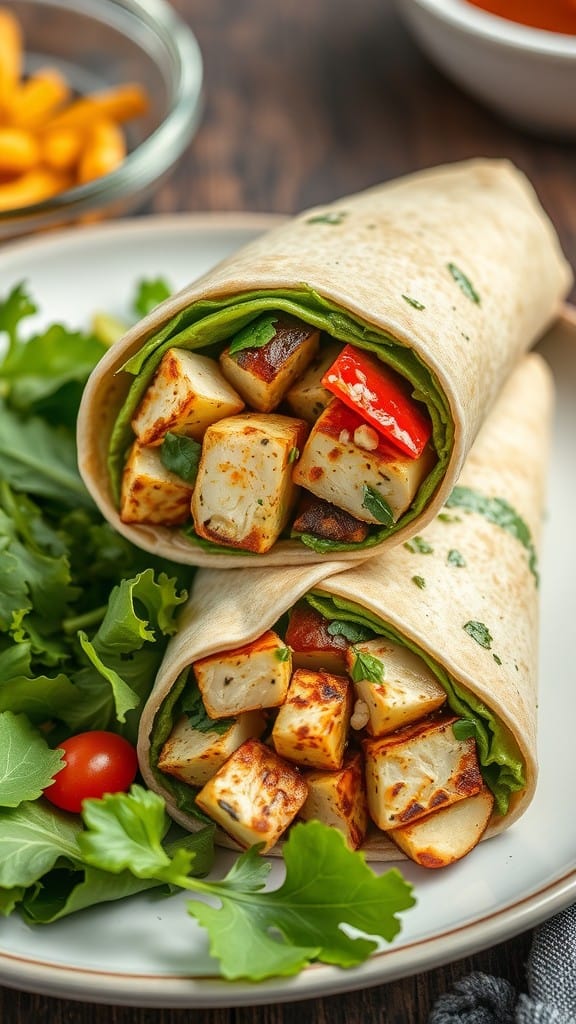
(551, 981)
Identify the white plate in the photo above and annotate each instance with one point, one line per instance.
(149, 952)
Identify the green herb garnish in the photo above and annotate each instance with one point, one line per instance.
(194, 709)
(502, 514)
(366, 666)
(282, 654)
(464, 283)
(455, 558)
(255, 335)
(419, 546)
(419, 581)
(464, 729)
(413, 302)
(479, 632)
(181, 455)
(373, 501)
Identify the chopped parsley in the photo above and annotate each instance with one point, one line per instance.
(413, 302)
(455, 558)
(502, 514)
(377, 505)
(282, 653)
(479, 632)
(419, 581)
(181, 455)
(366, 666)
(419, 546)
(193, 707)
(464, 283)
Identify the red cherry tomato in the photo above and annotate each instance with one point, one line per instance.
(95, 763)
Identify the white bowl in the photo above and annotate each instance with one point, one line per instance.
(526, 74)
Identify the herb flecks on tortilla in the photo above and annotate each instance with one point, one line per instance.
(502, 514)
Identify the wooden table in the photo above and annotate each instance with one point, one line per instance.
(307, 100)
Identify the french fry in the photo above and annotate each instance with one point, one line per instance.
(32, 187)
(10, 54)
(61, 148)
(50, 140)
(38, 98)
(19, 151)
(104, 152)
(120, 104)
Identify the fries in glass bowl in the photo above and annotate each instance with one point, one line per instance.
(98, 99)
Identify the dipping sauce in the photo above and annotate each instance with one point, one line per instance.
(551, 15)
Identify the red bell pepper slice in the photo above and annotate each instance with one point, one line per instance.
(381, 397)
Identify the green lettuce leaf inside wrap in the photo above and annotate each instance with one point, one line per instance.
(207, 325)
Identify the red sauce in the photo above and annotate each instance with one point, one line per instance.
(551, 15)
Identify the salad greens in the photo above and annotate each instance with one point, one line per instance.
(84, 621)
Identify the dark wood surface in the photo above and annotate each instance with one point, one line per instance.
(307, 100)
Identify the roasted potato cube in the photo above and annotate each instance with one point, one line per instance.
(263, 375)
(150, 493)
(419, 769)
(311, 727)
(338, 799)
(254, 796)
(320, 518)
(244, 492)
(308, 397)
(256, 675)
(345, 458)
(313, 646)
(409, 689)
(194, 756)
(187, 394)
(447, 835)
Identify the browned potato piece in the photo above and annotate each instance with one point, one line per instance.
(150, 492)
(308, 397)
(262, 376)
(244, 491)
(419, 769)
(312, 725)
(254, 796)
(187, 394)
(194, 756)
(338, 799)
(256, 675)
(447, 835)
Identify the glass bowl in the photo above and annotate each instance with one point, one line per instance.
(98, 44)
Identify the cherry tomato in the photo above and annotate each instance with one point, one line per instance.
(95, 763)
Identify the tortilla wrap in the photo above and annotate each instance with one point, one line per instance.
(449, 275)
(417, 594)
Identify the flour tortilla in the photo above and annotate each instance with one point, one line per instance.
(458, 265)
(497, 586)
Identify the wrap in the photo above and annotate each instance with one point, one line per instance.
(463, 595)
(447, 276)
